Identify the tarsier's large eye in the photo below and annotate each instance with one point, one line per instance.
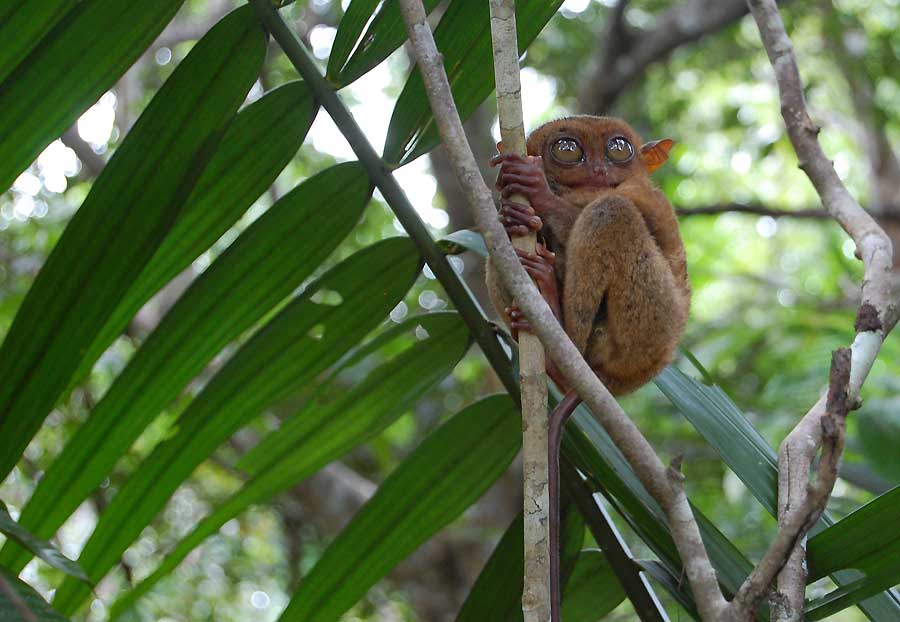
(619, 150)
(567, 151)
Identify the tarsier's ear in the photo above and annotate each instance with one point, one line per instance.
(656, 152)
(500, 147)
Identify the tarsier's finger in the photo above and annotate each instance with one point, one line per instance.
(544, 252)
(516, 231)
(512, 178)
(506, 157)
(510, 189)
(520, 326)
(515, 313)
(516, 213)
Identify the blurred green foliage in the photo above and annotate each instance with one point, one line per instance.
(772, 297)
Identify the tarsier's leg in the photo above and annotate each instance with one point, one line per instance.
(615, 263)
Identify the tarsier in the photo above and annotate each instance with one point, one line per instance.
(610, 262)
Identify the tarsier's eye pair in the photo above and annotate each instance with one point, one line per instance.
(568, 151)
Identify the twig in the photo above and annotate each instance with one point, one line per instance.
(92, 164)
(811, 213)
(536, 595)
(799, 506)
(684, 23)
(665, 485)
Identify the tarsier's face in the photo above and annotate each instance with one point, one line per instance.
(581, 152)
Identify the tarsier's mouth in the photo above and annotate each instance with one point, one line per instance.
(598, 183)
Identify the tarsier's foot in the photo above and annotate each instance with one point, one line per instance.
(517, 321)
(540, 267)
(518, 220)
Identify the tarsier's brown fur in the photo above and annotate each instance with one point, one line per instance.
(619, 260)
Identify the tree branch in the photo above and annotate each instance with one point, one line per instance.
(663, 484)
(800, 505)
(681, 24)
(91, 163)
(536, 595)
(811, 213)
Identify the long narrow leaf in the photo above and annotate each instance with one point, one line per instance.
(385, 34)
(256, 147)
(861, 540)
(593, 590)
(387, 391)
(351, 26)
(22, 26)
(92, 45)
(867, 541)
(36, 546)
(497, 593)
(122, 221)
(737, 442)
(299, 343)
(744, 450)
(723, 425)
(23, 596)
(322, 432)
(254, 274)
(464, 39)
(880, 577)
(450, 469)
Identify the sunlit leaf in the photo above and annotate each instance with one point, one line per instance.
(254, 274)
(301, 341)
(75, 63)
(450, 469)
(881, 577)
(461, 241)
(122, 221)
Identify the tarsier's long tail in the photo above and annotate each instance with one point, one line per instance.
(558, 419)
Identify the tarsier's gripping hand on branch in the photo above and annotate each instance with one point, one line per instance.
(611, 247)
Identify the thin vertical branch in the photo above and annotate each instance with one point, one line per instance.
(536, 595)
(664, 484)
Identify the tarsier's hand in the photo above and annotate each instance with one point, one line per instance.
(524, 175)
